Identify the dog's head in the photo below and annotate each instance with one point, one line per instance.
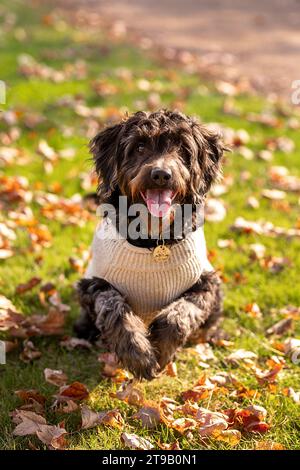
(158, 159)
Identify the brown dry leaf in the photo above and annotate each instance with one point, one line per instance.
(130, 394)
(92, 418)
(273, 194)
(27, 396)
(52, 436)
(268, 445)
(27, 422)
(135, 442)
(210, 422)
(223, 378)
(167, 407)
(253, 310)
(10, 317)
(241, 355)
(22, 288)
(73, 343)
(171, 369)
(173, 446)
(74, 391)
(67, 407)
(199, 391)
(150, 416)
(280, 327)
(242, 225)
(182, 424)
(48, 325)
(55, 377)
(205, 352)
(290, 392)
(250, 419)
(276, 365)
(30, 352)
(230, 436)
(111, 365)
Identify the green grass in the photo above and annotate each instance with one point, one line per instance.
(55, 46)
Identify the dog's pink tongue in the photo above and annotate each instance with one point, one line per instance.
(159, 202)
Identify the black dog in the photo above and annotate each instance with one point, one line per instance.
(143, 309)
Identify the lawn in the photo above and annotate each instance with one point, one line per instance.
(63, 83)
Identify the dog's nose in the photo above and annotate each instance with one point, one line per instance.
(160, 176)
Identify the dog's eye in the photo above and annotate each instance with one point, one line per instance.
(140, 147)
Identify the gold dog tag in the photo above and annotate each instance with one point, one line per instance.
(161, 253)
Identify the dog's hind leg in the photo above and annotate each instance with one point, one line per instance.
(196, 312)
(117, 326)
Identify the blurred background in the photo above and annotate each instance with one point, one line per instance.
(259, 39)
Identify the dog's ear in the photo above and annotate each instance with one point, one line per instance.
(104, 148)
(207, 164)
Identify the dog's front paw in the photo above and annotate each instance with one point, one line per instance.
(166, 336)
(139, 358)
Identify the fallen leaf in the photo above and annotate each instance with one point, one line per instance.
(73, 343)
(27, 422)
(290, 392)
(210, 421)
(130, 394)
(171, 369)
(230, 436)
(253, 310)
(173, 446)
(241, 355)
(30, 352)
(273, 194)
(135, 442)
(52, 436)
(280, 327)
(92, 418)
(74, 391)
(205, 352)
(149, 415)
(28, 396)
(55, 377)
(22, 288)
(268, 445)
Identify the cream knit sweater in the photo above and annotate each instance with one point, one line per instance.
(148, 285)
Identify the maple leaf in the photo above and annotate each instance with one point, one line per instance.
(27, 422)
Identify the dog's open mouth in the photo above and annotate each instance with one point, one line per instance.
(158, 201)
